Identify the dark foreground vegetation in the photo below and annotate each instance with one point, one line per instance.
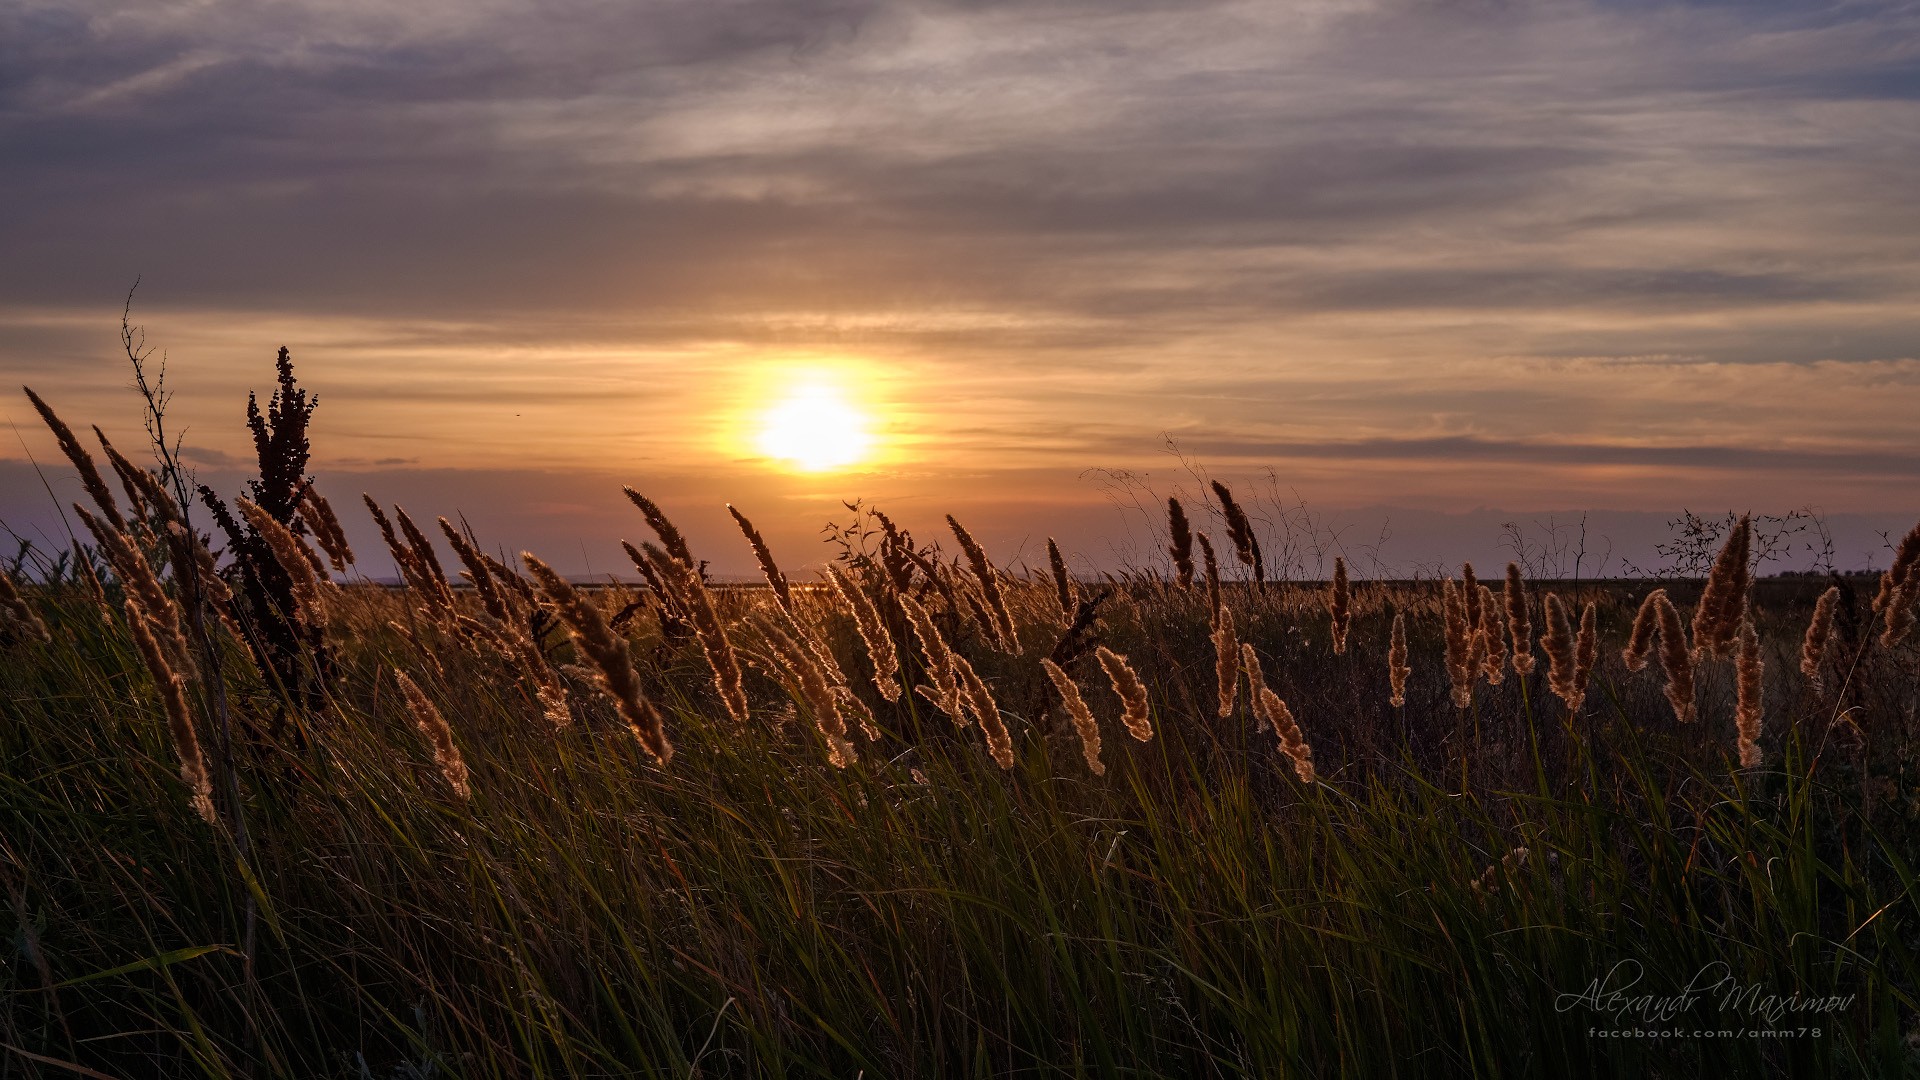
(923, 817)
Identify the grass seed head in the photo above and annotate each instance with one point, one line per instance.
(1460, 635)
(1640, 640)
(1078, 712)
(1133, 693)
(609, 654)
(1558, 644)
(1062, 583)
(1723, 602)
(1002, 620)
(318, 513)
(173, 696)
(17, 613)
(670, 537)
(1240, 532)
(873, 633)
(1338, 605)
(1813, 648)
(1226, 659)
(1519, 621)
(1180, 532)
(82, 461)
(1748, 668)
(1213, 573)
(1676, 661)
(1397, 667)
(776, 580)
(439, 735)
(1492, 638)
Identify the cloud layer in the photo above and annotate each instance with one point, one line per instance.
(1549, 253)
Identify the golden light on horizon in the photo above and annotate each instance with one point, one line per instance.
(815, 428)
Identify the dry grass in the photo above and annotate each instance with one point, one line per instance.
(752, 894)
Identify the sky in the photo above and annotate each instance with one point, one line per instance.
(1420, 267)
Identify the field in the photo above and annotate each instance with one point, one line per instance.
(262, 816)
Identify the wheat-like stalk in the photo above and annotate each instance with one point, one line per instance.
(1269, 706)
(684, 584)
(1181, 547)
(411, 572)
(439, 736)
(1559, 647)
(716, 645)
(1819, 630)
(135, 573)
(662, 574)
(19, 612)
(1723, 602)
(1002, 622)
(808, 634)
(506, 632)
(1397, 667)
(1586, 649)
(945, 692)
(1213, 573)
(1338, 600)
(129, 475)
(1062, 583)
(186, 546)
(318, 513)
(1133, 693)
(309, 601)
(986, 710)
(516, 583)
(1077, 710)
(988, 623)
(609, 654)
(145, 493)
(1519, 621)
(144, 588)
(1249, 661)
(1240, 531)
(1470, 592)
(816, 688)
(548, 688)
(1460, 646)
(1676, 661)
(782, 592)
(1226, 659)
(670, 537)
(432, 575)
(418, 647)
(1748, 668)
(1899, 590)
(1640, 640)
(1293, 740)
(491, 598)
(873, 634)
(1492, 639)
(82, 461)
(173, 696)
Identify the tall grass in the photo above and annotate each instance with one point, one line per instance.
(1386, 857)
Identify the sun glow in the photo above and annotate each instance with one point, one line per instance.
(814, 428)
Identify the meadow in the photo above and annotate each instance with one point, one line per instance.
(918, 815)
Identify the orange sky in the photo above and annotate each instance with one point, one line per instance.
(1549, 256)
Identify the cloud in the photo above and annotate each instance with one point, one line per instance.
(1349, 233)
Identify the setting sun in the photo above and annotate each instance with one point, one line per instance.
(814, 428)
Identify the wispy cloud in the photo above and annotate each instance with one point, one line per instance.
(1654, 246)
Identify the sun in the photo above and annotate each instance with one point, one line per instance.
(814, 428)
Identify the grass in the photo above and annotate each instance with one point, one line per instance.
(751, 909)
(825, 879)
